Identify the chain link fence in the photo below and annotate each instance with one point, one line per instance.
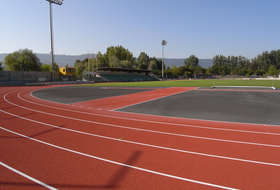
(27, 76)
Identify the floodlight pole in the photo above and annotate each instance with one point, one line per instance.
(163, 43)
(58, 2)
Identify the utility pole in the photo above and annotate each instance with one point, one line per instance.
(58, 2)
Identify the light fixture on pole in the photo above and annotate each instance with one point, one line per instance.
(58, 2)
(163, 43)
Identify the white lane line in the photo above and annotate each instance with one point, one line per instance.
(149, 121)
(146, 130)
(27, 176)
(118, 163)
(148, 145)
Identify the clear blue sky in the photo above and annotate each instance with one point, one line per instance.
(204, 28)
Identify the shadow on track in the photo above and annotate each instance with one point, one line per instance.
(113, 183)
(35, 135)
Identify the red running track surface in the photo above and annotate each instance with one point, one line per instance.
(46, 145)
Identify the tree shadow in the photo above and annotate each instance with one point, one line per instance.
(18, 116)
(113, 183)
(36, 134)
(122, 172)
(47, 131)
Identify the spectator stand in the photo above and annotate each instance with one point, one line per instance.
(112, 74)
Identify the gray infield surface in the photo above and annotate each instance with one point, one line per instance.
(232, 106)
(74, 94)
(258, 107)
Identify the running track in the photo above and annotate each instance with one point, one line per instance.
(47, 145)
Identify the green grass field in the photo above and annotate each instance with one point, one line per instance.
(196, 83)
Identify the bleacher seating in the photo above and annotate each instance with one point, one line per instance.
(121, 77)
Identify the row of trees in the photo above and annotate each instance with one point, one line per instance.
(265, 63)
(117, 56)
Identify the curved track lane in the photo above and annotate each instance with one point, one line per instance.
(88, 146)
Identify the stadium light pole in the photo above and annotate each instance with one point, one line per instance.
(163, 43)
(58, 2)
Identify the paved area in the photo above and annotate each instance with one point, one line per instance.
(74, 94)
(259, 107)
(233, 106)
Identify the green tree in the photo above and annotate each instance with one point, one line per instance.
(243, 72)
(114, 61)
(250, 72)
(101, 61)
(88, 63)
(177, 71)
(126, 64)
(192, 61)
(153, 65)
(272, 70)
(22, 60)
(260, 72)
(119, 52)
(167, 72)
(225, 70)
(275, 58)
(198, 70)
(56, 67)
(222, 65)
(265, 60)
(143, 61)
(236, 71)
(48, 67)
(230, 65)
(209, 71)
(187, 71)
(80, 67)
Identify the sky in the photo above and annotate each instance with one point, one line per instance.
(204, 28)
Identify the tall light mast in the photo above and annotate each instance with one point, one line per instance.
(58, 2)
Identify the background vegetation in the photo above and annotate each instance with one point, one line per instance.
(267, 63)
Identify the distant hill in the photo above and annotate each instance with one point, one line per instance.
(63, 60)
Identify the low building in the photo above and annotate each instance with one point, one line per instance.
(67, 73)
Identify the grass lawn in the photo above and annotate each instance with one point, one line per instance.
(196, 83)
